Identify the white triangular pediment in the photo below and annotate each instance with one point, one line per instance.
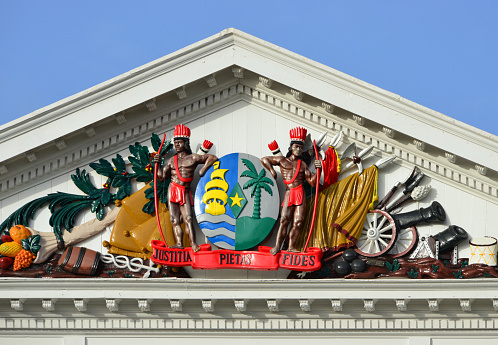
(233, 65)
(241, 92)
(229, 48)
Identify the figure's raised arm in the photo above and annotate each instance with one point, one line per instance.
(207, 160)
(269, 161)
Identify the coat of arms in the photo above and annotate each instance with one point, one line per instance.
(236, 202)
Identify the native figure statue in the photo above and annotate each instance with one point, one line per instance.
(341, 205)
(334, 219)
(294, 172)
(181, 168)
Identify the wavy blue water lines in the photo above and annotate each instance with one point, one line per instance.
(206, 217)
(211, 226)
(219, 231)
(223, 239)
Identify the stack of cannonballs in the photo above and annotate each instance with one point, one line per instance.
(350, 262)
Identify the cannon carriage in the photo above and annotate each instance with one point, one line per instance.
(395, 234)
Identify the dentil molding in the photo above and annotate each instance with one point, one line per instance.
(298, 112)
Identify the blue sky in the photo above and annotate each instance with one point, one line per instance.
(440, 54)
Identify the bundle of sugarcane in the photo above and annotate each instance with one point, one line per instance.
(50, 244)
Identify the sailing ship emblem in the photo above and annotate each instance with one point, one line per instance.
(216, 197)
(236, 202)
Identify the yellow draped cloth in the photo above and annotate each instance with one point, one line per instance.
(341, 212)
(134, 229)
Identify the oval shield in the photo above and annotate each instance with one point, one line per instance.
(236, 202)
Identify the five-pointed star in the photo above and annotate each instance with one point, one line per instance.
(236, 200)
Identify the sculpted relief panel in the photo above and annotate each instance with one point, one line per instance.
(366, 218)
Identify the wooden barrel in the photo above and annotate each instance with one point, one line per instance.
(79, 260)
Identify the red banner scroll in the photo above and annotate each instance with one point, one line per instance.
(261, 260)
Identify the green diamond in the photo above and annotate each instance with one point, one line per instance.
(237, 200)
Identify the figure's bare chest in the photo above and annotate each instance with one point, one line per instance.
(180, 165)
(181, 168)
(292, 169)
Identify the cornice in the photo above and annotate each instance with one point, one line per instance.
(145, 81)
(319, 119)
(354, 95)
(233, 47)
(314, 298)
(129, 326)
(351, 84)
(314, 117)
(190, 288)
(118, 138)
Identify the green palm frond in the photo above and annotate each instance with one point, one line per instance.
(266, 188)
(262, 174)
(254, 189)
(249, 173)
(266, 180)
(249, 166)
(156, 142)
(82, 181)
(134, 150)
(249, 183)
(65, 207)
(162, 191)
(139, 165)
(20, 216)
(61, 199)
(103, 167)
(135, 162)
(66, 216)
(124, 190)
(119, 181)
(27, 212)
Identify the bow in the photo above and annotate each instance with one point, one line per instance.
(156, 201)
(317, 187)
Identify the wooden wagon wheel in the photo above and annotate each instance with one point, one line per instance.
(405, 242)
(378, 236)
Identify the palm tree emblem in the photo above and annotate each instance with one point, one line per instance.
(257, 181)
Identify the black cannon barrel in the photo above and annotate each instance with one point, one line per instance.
(435, 212)
(450, 237)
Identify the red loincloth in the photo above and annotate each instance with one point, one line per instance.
(177, 194)
(296, 196)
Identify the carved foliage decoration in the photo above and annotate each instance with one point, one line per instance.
(66, 207)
